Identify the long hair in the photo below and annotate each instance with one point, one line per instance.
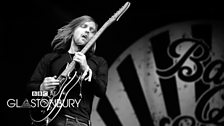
(62, 40)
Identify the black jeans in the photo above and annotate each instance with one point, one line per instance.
(68, 121)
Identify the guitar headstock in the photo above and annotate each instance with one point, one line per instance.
(120, 12)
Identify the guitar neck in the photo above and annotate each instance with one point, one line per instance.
(95, 37)
(116, 16)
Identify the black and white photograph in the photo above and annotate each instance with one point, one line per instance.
(112, 63)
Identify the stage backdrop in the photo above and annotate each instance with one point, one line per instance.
(173, 76)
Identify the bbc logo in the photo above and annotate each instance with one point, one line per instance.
(39, 93)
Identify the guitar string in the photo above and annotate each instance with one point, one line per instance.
(80, 80)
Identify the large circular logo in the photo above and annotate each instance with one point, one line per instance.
(173, 76)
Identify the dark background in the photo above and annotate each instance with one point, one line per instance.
(29, 27)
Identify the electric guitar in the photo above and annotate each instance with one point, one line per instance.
(55, 100)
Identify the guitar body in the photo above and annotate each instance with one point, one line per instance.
(51, 105)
